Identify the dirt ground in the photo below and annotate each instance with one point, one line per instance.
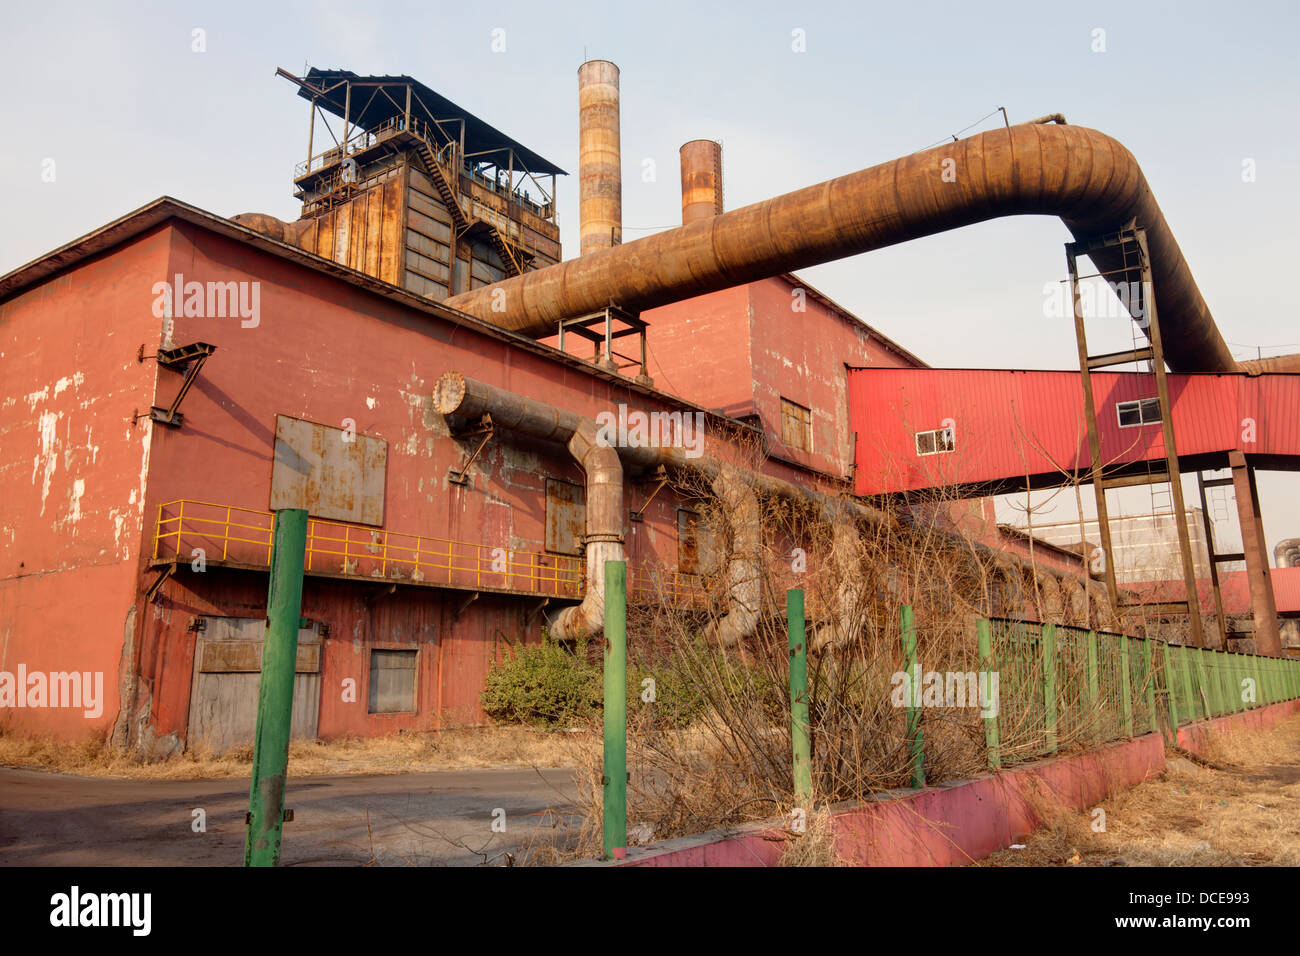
(454, 749)
(1242, 811)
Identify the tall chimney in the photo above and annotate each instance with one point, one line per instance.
(701, 180)
(600, 178)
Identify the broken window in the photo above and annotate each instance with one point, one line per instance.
(1145, 411)
(935, 442)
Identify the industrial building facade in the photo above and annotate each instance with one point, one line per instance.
(176, 377)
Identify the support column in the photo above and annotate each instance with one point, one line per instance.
(1268, 639)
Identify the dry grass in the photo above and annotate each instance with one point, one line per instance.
(1246, 814)
(453, 749)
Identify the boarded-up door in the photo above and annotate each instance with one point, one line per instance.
(227, 673)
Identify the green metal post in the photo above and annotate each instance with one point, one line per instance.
(1125, 689)
(1092, 721)
(1199, 655)
(615, 709)
(1215, 685)
(1149, 675)
(1171, 685)
(1048, 643)
(987, 666)
(275, 690)
(799, 729)
(915, 745)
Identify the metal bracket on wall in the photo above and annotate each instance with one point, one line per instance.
(660, 478)
(483, 429)
(381, 593)
(158, 583)
(186, 358)
(463, 604)
(535, 611)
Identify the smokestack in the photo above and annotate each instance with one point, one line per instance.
(600, 178)
(701, 180)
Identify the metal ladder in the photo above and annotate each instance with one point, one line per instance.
(1131, 244)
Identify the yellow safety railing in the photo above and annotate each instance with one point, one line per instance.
(232, 535)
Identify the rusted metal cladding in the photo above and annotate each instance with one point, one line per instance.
(1087, 178)
(701, 180)
(600, 178)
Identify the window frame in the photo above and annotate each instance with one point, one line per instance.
(415, 679)
(802, 415)
(1141, 406)
(939, 446)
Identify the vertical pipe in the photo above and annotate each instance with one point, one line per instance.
(615, 709)
(799, 729)
(600, 178)
(915, 745)
(1047, 643)
(1126, 689)
(275, 690)
(701, 163)
(987, 666)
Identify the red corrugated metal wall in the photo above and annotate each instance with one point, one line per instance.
(1012, 424)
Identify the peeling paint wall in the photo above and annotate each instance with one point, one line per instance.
(73, 476)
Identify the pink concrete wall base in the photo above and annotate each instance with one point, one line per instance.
(965, 820)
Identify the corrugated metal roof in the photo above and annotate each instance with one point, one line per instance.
(428, 104)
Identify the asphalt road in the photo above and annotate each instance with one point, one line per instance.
(426, 819)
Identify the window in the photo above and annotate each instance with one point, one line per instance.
(392, 681)
(1144, 411)
(796, 426)
(936, 442)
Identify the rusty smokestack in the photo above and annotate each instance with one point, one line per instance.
(600, 176)
(701, 180)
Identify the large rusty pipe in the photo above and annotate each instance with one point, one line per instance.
(1287, 553)
(701, 162)
(600, 175)
(465, 399)
(462, 398)
(1083, 176)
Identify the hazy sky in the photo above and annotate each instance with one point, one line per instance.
(118, 98)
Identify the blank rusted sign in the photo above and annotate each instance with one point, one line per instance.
(330, 472)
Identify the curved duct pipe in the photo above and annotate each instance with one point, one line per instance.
(744, 564)
(1287, 553)
(463, 398)
(1091, 181)
(604, 538)
(455, 395)
(849, 598)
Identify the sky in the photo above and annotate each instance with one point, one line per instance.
(118, 104)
